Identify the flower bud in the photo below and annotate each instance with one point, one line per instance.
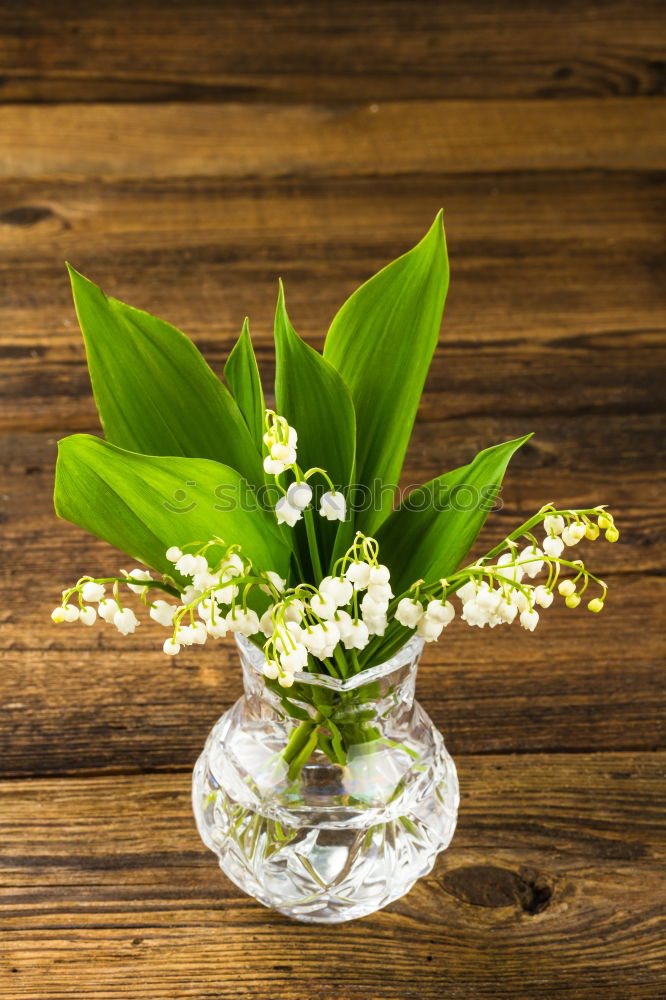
(604, 522)
(58, 615)
(170, 647)
(596, 604)
(173, 554)
(592, 531)
(612, 534)
(567, 588)
(572, 601)
(71, 613)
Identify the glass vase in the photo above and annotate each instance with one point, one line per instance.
(327, 800)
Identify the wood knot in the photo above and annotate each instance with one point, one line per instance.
(488, 885)
(25, 215)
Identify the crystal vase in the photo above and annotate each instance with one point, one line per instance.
(327, 800)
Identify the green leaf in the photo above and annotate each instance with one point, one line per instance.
(242, 374)
(154, 392)
(382, 341)
(142, 504)
(431, 532)
(314, 399)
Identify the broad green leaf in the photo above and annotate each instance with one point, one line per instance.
(382, 341)
(431, 532)
(142, 504)
(154, 392)
(314, 399)
(242, 374)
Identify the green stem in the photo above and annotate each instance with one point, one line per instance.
(312, 544)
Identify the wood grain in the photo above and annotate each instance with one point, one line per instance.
(335, 51)
(184, 156)
(392, 138)
(551, 852)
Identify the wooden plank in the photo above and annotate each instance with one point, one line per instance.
(74, 699)
(204, 253)
(392, 138)
(119, 51)
(553, 886)
(215, 253)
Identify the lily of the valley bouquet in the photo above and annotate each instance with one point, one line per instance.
(280, 523)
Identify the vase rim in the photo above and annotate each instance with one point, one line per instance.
(410, 651)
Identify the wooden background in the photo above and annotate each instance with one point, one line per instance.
(184, 155)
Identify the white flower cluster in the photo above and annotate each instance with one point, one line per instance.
(428, 621)
(496, 593)
(317, 620)
(335, 620)
(109, 609)
(281, 440)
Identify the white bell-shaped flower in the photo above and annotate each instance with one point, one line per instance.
(443, 613)
(532, 559)
(468, 591)
(338, 589)
(138, 574)
(71, 613)
(92, 593)
(507, 568)
(58, 615)
(529, 619)
(217, 629)
(323, 606)
(173, 554)
(554, 524)
(266, 623)
(294, 611)
(380, 593)
(281, 452)
(88, 616)
(245, 622)
(358, 573)
(272, 467)
(409, 612)
(276, 581)
(357, 636)
(474, 614)
(553, 547)
(333, 506)
(107, 608)
(569, 537)
(299, 494)
(163, 613)
(286, 514)
(191, 595)
(566, 588)
(543, 597)
(170, 647)
(271, 669)
(429, 629)
(507, 611)
(125, 621)
(379, 575)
